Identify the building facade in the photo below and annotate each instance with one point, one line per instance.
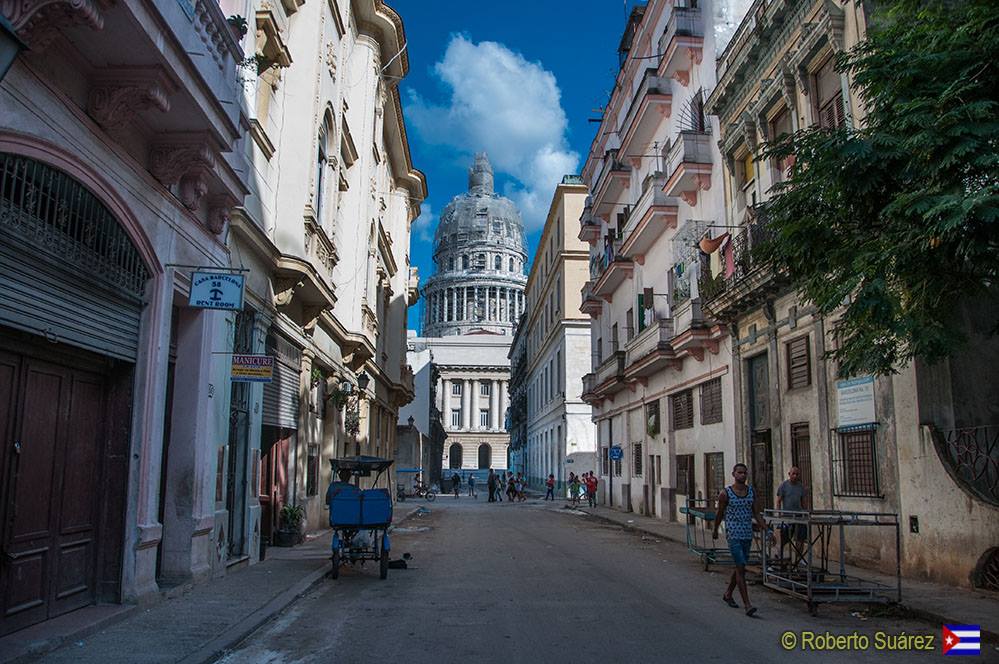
(660, 364)
(913, 447)
(479, 255)
(556, 340)
(141, 142)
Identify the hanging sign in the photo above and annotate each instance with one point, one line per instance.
(616, 453)
(855, 402)
(216, 290)
(252, 368)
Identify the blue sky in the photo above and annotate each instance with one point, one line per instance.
(518, 79)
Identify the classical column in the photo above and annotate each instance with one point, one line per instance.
(464, 302)
(466, 404)
(502, 402)
(494, 405)
(475, 405)
(454, 301)
(446, 415)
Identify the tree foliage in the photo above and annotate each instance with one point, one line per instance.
(899, 217)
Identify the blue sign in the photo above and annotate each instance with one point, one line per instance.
(616, 453)
(216, 290)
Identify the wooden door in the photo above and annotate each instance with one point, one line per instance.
(273, 479)
(52, 475)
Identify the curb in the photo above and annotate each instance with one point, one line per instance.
(927, 615)
(211, 651)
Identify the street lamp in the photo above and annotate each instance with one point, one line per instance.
(10, 46)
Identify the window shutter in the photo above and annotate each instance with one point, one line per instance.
(799, 368)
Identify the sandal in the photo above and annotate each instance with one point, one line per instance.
(730, 602)
(751, 611)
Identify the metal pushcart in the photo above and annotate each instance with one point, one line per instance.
(811, 574)
(359, 517)
(700, 512)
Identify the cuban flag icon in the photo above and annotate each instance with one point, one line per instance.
(962, 640)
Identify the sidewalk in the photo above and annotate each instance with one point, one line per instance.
(930, 601)
(192, 624)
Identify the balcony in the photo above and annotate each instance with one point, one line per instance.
(650, 351)
(746, 282)
(413, 286)
(652, 103)
(611, 182)
(688, 164)
(592, 304)
(682, 44)
(653, 215)
(589, 226)
(610, 374)
(613, 270)
(589, 383)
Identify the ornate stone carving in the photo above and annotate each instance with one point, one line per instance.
(331, 60)
(118, 95)
(219, 207)
(37, 22)
(185, 160)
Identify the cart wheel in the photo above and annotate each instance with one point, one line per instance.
(383, 565)
(335, 572)
(431, 496)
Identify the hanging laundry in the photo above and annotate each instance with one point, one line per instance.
(729, 254)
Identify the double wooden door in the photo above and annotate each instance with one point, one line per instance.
(54, 427)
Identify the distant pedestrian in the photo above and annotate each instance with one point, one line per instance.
(511, 488)
(471, 486)
(550, 485)
(519, 487)
(739, 506)
(501, 487)
(456, 484)
(792, 496)
(574, 489)
(491, 485)
(591, 482)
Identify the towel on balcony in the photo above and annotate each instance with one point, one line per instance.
(729, 258)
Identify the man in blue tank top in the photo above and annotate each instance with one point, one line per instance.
(739, 506)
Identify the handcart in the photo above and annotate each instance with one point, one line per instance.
(359, 517)
(810, 574)
(700, 512)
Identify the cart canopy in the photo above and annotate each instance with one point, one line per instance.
(361, 465)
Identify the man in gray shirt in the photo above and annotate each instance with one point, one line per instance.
(793, 496)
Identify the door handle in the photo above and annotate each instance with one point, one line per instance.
(17, 447)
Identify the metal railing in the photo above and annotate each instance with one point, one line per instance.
(745, 255)
(682, 22)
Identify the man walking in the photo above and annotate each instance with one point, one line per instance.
(739, 506)
(550, 488)
(793, 497)
(591, 488)
(471, 486)
(491, 485)
(456, 484)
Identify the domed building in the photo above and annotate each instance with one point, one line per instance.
(471, 306)
(479, 257)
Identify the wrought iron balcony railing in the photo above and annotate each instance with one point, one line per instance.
(971, 456)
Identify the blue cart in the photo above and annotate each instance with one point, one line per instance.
(359, 517)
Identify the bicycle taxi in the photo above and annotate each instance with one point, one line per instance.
(360, 518)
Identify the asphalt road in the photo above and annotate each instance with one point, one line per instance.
(533, 582)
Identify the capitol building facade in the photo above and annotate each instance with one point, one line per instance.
(479, 258)
(471, 307)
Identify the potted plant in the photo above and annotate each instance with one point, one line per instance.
(239, 25)
(290, 532)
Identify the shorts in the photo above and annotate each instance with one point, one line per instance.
(798, 530)
(740, 551)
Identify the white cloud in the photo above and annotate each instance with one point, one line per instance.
(509, 107)
(423, 225)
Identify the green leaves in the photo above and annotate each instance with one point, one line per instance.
(902, 214)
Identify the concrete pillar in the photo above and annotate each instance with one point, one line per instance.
(475, 404)
(494, 405)
(502, 403)
(447, 403)
(466, 404)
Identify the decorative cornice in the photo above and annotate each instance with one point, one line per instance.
(37, 22)
(118, 94)
(184, 159)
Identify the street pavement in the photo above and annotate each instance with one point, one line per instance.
(535, 582)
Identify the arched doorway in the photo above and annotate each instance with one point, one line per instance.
(454, 454)
(71, 299)
(485, 456)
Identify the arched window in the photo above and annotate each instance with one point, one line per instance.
(454, 456)
(498, 263)
(485, 456)
(464, 262)
(512, 268)
(319, 193)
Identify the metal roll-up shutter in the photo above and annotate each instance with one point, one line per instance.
(68, 270)
(281, 395)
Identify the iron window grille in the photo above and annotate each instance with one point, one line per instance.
(711, 401)
(636, 449)
(856, 469)
(801, 453)
(714, 476)
(652, 419)
(682, 408)
(312, 472)
(685, 474)
(604, 456)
